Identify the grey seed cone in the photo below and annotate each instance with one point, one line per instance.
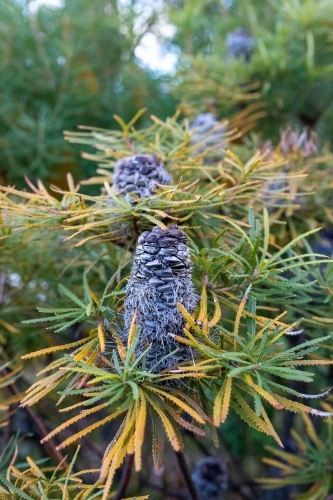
(139, 175)
(208, 131)
(239, 43)
(211, 478)
(161, 276)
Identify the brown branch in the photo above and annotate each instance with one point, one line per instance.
(186, 475)
(41, 431)
(125, 477)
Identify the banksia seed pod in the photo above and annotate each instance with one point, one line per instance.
(208, 131)
(139, 175)
(302, 144)
(239, 43)
(161, 276)
(324, 245)
(210, 478)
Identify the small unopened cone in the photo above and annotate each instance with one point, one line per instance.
(139, 175)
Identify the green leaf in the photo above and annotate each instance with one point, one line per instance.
(71, 296)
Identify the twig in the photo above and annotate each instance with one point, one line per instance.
(166, 492)
(186, 475)
(125, 477)
(41, 431)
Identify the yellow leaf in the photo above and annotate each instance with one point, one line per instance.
(117, 450)
(140, 428)
(180, 404)
(170, 431)
(239, 314)
(270, 427)
(222, 402)
(202, 316)
(268, 397)
(312, 432)
(9, 327)
(72, 420)
(55, 348)
(101, 337)
(132, 330)
(217, 314)
(85, 351)
(293, 405)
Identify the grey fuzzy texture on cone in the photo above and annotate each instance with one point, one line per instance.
(140, 175)
(161, 276)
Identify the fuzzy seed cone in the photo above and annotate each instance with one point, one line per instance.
(211, 478)
(139, 175)
(239, 43)
(161, 276)
(208, 132)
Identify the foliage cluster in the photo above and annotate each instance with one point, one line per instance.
(255, 356)
(257, 277)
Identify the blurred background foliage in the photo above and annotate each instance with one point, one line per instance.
(61, 67)
(79, 63)
(290, 67)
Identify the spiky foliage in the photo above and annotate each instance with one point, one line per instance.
(229, 357)
(310, 464)
(290, 66)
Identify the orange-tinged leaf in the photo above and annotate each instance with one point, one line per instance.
(132, 330)
(169, 429)
(101, 337)
(222, 402)
(84, 351)
(72, 420)
(239, 314)
(217, 313)
(178, 402)
(312, 432)
(55, 348)
(141, 417)
(270, 426)
(268, 397)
